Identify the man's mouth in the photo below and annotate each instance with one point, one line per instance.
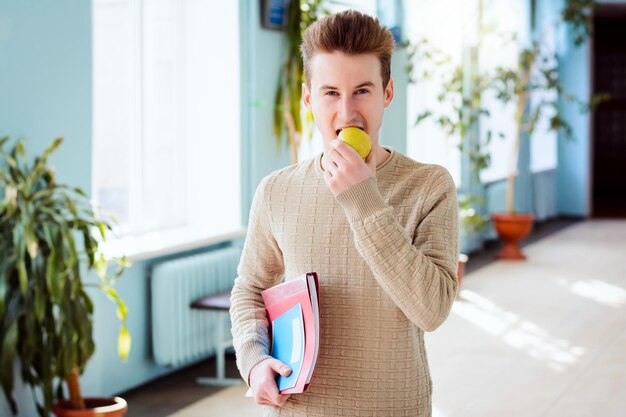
(339, 130)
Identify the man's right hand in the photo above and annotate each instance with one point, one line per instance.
(263, 382)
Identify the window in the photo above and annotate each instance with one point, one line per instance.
(442, 23)
(504, 16)
(166, 116)
(543, 141)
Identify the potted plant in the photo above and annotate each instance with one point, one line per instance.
(47, 232)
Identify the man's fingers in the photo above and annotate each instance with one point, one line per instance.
(274, 396)
(268, 398)
(280, 368)
(336, 155)
(370, 161)
(263, 384)
(329, 165)
(335, 158)
(283, 400)
(280, 400)
(346, 151)
(332, 168)
(271, 403)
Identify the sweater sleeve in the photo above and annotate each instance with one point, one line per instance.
(419, 272)
(261, 266)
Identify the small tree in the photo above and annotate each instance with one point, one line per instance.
(47, 230)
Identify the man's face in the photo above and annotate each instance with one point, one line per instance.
(347, 90)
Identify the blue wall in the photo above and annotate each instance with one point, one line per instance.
(573, 173)
(45, 80)
(263, 52)
(393, 132)
(45, 91)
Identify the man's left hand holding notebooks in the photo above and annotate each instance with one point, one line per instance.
(293, 311)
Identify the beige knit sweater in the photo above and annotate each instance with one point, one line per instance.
(386, 254)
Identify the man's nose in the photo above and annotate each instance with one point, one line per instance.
(347, 109)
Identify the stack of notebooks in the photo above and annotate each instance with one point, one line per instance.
(293, 311)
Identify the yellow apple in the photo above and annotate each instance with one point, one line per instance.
(358, 139)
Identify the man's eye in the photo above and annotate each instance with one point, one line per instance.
(330, 93)
(362, 91)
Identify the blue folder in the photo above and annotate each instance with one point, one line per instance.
(288, 344)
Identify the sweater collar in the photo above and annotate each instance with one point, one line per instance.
(379, 170)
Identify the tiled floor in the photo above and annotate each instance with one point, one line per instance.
(543, 338)
(540, 338)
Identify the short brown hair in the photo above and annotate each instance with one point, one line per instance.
(352, 33)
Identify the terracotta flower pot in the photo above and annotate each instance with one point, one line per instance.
(512, 228)
(101, 407)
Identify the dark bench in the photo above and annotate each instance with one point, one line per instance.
(219, 303)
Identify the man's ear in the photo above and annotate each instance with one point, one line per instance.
(306, 96)
(389, 93)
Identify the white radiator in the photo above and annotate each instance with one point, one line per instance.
(181, 335)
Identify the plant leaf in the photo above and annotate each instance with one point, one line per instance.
(124, 343)
(7, 355)
(40, 306)
(102, 228)
(101, 265)
(22, 275)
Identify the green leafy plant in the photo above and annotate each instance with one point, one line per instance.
(47, 232)
(287, 102)
(471, 219)
(460, 107)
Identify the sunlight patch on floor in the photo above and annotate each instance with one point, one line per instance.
(521, 334)
(437, 412)
(598, 291)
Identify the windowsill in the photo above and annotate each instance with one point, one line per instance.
(157, 244)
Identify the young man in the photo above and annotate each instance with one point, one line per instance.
(381, 234)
